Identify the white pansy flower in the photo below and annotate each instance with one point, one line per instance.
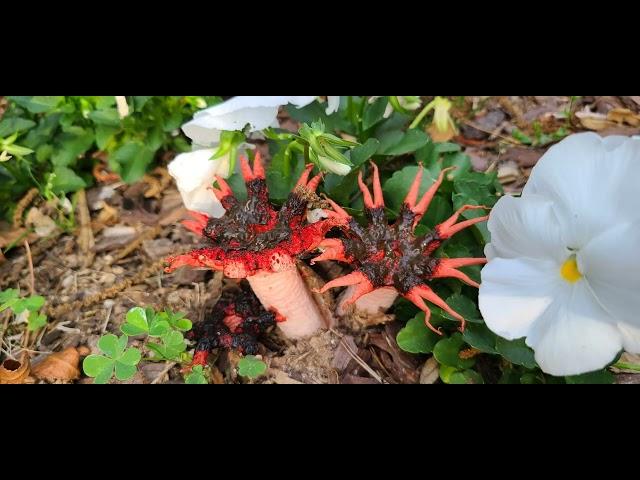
(258, 112)
(195, 173)
(564, 268)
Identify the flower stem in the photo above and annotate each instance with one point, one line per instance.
(422, 114)
(627, 366)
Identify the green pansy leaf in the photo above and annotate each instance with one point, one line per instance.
(416, 337)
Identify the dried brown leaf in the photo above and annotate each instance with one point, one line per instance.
(61, 366)
(14, 371)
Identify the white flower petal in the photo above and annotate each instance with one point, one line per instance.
(299, 101)
(514, 293)
(575, 335)
(525, 227)
(611, 265)
(194, 173)
(630, 337)
(587, 177)
(259, 112)
(333, 104)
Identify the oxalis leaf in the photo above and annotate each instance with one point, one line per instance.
(251, 367)
(196, 377)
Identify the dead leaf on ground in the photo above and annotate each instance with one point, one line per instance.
(624, 115)
(42, 224)
(508, 172)
(14, 371)
(61, 366)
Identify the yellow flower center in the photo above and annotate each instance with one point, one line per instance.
(569, 270)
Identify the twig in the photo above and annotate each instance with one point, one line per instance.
(22, 205)
(5, 327)
(166, 369)
(106, 322)
(32, 277)
(85, 235)
(361, 362)
(105, 294)
(137, 242)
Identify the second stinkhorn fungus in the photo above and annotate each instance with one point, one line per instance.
(236, 322)
(255, 241)
(388, 258)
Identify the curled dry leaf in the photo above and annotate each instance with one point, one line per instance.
(60, 366)
(14, 371)
(624, 115)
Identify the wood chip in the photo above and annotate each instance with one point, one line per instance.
(86, 242)
(429, 373)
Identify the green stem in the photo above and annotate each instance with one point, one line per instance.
(422, 114)
(627, 366)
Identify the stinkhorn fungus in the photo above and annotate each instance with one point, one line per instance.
(391, 258)
(236, 322)
(255, 241)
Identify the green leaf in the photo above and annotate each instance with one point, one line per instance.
(71, 146)
(107, 118)
(131, 356)
(159, 328)
(516, 351)
(104, 135)
(416, 337)
(66, 180)
(38, 104)
(183, 324)
(125, 371)
(447, 351)
(251, 367)
(374, 113)
(132, 160)
(600, 376)
(34, 303)
(466, 377)
(108, 344)
(105, 101)
(9, 126)
(36, 321)
(99, 367)
(9, 294)
(465, 307)
(136, 322)
(196, 377)
(409, 142)
(140, 102)
(364, 152)
(397, 187)
(480, 337)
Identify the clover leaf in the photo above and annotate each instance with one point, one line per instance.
(251, 367)
(117, 357)
(196, 377)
